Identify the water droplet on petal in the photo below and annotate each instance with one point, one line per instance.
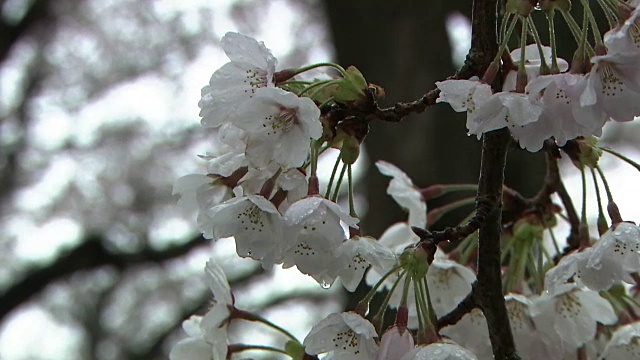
(325, 285)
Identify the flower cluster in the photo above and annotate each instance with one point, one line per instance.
(536, 105)
(262, 189)
(257, 188)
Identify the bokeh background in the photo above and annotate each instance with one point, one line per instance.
(99, 117)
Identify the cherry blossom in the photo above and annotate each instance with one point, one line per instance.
(501, 110)
(256, 225)
(228, 154)
(359, 253)
(572, 313)
(440, 351)
(280, 126)
(405, 193)
(464, 95)
(532, 64)
(474, 323)
(609, 261)
(559, 94)
(207, 335)
(613, 85)
(625, 38)
(624, 344)
(198, 193)
(344, 336)
(252, 67)
(449, 283)
(314, 235)
(531, 342)
(395, 343)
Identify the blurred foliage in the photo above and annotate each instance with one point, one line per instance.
(98, 118)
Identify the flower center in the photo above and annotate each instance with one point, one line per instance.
(255, 78)
(569, 306)
(612, 85)
(251, 218)
(634, 32)
(281, 123)
(347, 341)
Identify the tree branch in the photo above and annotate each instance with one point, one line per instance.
(90, 254)
(489, 295)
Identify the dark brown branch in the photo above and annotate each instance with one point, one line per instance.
(452, 233)
(489, 294)
(400, 110)
(90, 254)
(464, 307)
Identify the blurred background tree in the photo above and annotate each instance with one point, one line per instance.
(98, 118)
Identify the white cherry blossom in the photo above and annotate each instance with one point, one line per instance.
(228, 154)
(195, 346)
(359, 253)
(252, 67)
(472, 333)
(613, 85)
(532, 64)
(207, 335)
(501, 110)
(280, 126)
(563, 117)
(611, 260)
(344, 336)
(624, 344)
(198, 193)
(256, 225)
(395, 343)
(625, 38)
(615, 255)
(449, 283)
(464, 95)
(572, 313)
(440, 351)
(532, 343)
(313, 237)
(405, 193)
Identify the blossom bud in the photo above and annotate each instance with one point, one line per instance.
(549, 5)
(583, 152)
(416, 260)
(294, 349)
(353, 88)
(283, 75)
(527, 231)
(396, 341)
(350, 150)
(521, 7)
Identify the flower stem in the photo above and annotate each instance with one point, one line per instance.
(594, 24)
(236, 348)
(317, 87)
(333, 175)
(583, 215)
(336, 192)
(621, 157)
(544, 68)
(352, 207)
(340, 69)
(606, 183)
(245, 315)
(555, 69)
